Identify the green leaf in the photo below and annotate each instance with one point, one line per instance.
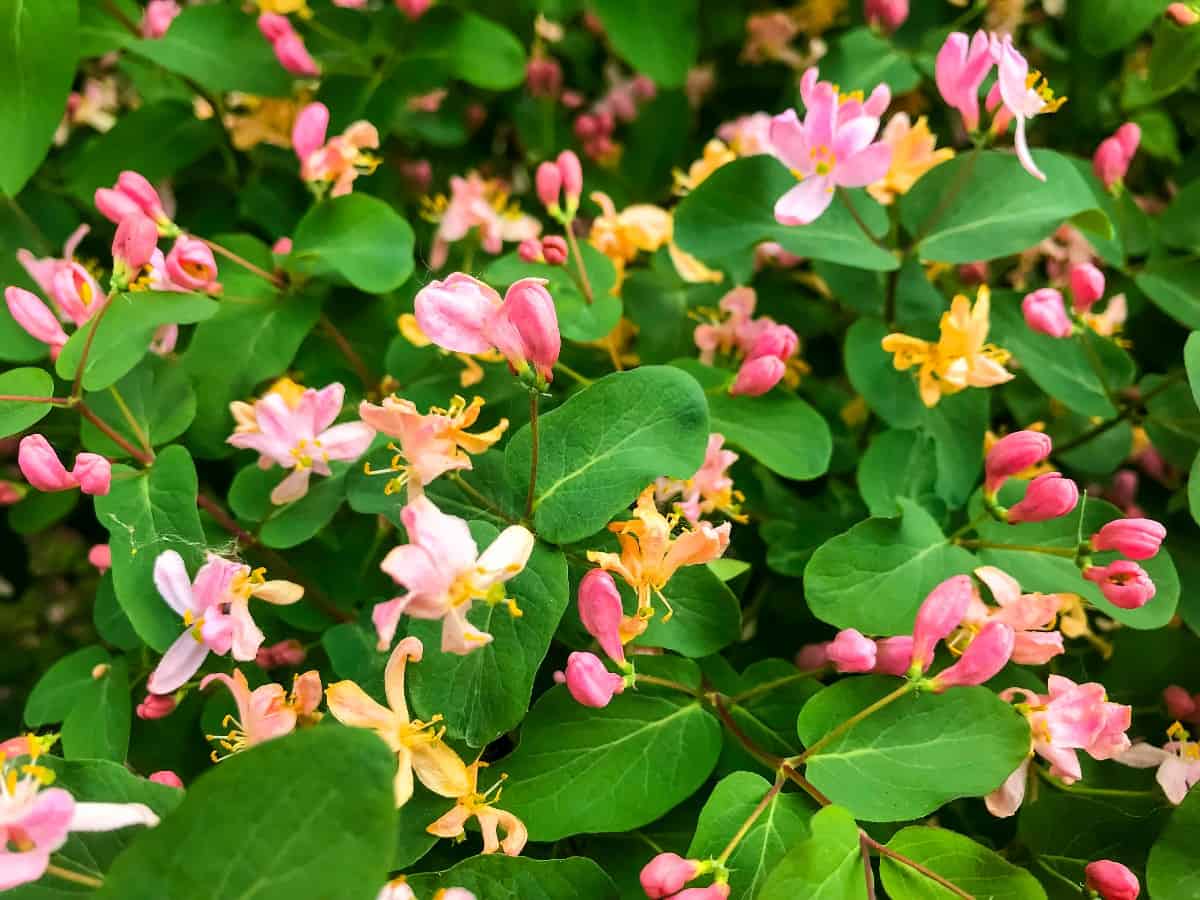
(659, 38)
(958, 859)
(778, 429)
(861, 59)
(732, 211)
(17, 415)
(203, 40)
(1174, 56)
(875, 576)
(607, 443)
(97, 727)
(358, 237)
(999, 209)
(1177, 228)
(1191, 360)
(39, 511)
(827, 865)
(707, 615)
(292, 523)
(1172, 873)
(110, 620)
(37, 64)
(61, 686)
(123, 332)
(147, 513)
(891, 394)
(353, 655)
(956, 428)
(1108, 25)
(586, 770)
(469, 47)
(157, 394)
(501, 877)
(487, 692)
(1174, 285)
(897, 464)
(913, 755)
(319, 823)
(781, 825)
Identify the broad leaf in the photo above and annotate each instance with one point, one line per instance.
(958, 859)
(861, 59)
(97, 727)
(707, 615)
(659, 38)
(157, 395)
(469, 47)
(358, 237)
(1174, 285)
(1172, 873)
(1108, 25)
(17, 415)
(891, 394)
(61, 686)
(827, 865)
(502, 877)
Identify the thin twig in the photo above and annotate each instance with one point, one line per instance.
(276, 280)
(26, 398)
(77, 877)
(534, 450)
(347, 350)
(668, 683)
(584, 284)
(145, 457)
(846, 202)
(770, 760)
(863, 713)
(780, 779)
(868, 872)
(915, 866)
(768, 686)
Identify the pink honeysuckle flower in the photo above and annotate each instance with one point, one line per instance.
(1111, 880)
(100, 556)
(833, 147)
(543, 77)
(93, 472)
(333, 165)
(983, 659)
(69, 286)
(1021, 100)
(157, 18)
(962, 65)
(478, 805)
(299, 435)
(748, 135)
(166, 777)
(1115, 154)
(941, 612)
(667, 874)
(483, 204)
(42, 468)
(1031, 616)
(215, 612)
(756, 377)
(464, 315)
(1177, 761)
(266, 712)
(710, 490)
(36, 318)
(413, 9)
(131, 194)
(886, 14)
(418, 745)
(1045, 313)
(396, 889)
(1123, 583)
(1013, 454)
(36, 820)
(1049, 496)
(1134, 538)
(735, 332)
(588, 681)
(444, 573)
(288, 45)
(289, 654)
(1181, 705)
(156, 706)
(601, 613)
(851, 651)
(135, 242)
(1087, 286)
(812, 657)
(893, 655)
(1069, 718)
(190, 265)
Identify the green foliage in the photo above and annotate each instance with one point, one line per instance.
(504, 877)
(1172, 872)
(17, 415)
(357, 237)
(825, 865)
(659, 38)
(958, 859)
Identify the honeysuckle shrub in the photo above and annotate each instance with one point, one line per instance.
(598, 449)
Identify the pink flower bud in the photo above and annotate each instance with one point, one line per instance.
(893, 655)
(274, 26)
(1087, 286)
(417, 175)
(601, 613)
(115, 205)
(41, 466)
(712, 892)
(530, 250)
(1123, 583)
(156, 706)
(414, 9)
(850, 651)
(1180, 704)
(667, 874)
(572, 174)
(289, 653)
(1044, 313)
(167, 777)
(886, 14)
(544, 76)
(983, 659)
(34, 316)
(586, 126)
(1109, 162)
(308, 131)
(93, 473)
(294, 56)
(775, 340)
(100, 556)
(158, 17)
(589, 682)
(135, 186)
(11, 493)
(940, 614)
(1047, 497)
(1111, 880)
(973, 272)
(1129, 136)
(191, 266)
(1135, 538)
(811, 657)
(529, 309)
(1014, 453)
(554, 250)
(548, 181)
(134, 243)
(282, 247)
(757, 376)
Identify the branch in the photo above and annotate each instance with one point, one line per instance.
(884, 850)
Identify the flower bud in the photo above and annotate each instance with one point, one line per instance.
(414, 9)
(282, 247)
(134, 243)
(93, 473)
(1044, 313)
(167, 777)
(1182, 14)
(544, 76)
(1109, 162)
(667, 874)
(308, 131)
(886, 14)
(1012, 454)
(811, 657)
(1134, 538)
(41, 466)
(1180, 704)
(191, 265)
(712, 892)
(983, 659)
(586, 126)
(601, 613)
(589, 682)
(396, 889)
(548, 182)
(893, 655)
(35, 317)
(11, 493)
(775, 340)
(156, 706)
(289, 653)
(530, 250)
(1047, 497)
(850, 651)
(1087, 286)
(572, 175)
(940, 614)
(115, 205)
(100, 556)
(158, 17)
(1129, 136)
(757, 376)
(554, 250)
(529, 309)
(1111, 880)
(1123, 583)
(973, 272)
(138, 189)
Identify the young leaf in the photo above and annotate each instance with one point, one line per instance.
(17, 415)
(61, 686)
(827, 865)
(358, 237)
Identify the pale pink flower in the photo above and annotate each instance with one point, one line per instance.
(1123, 583)
(443, 574)
(479, 203)
(1021, 100)
(962, 65)
(157, 17)
(1045, 313)
(708, 491)
(300, 436)
(334, 164)
(748, 135)
(1032, 616)
(267, 712)
(1177, 761)
(190, 265)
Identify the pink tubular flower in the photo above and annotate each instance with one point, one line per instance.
(1045, 313)
(297, 435)
(1181, 705)
(288, 45)
(338, 161)
(93, 472)
(601, 613)
(812, 657)
(554, 250)
(70, 287)
(709, 490)
(289, 653)
(443, 573)
(667, 873)
(543, 76)
(1047, 497)
(1182, 14)
(166, 777)
(36, 318)
(983, 659)
(850, 651)
(309, 129)
(1111, 880)
(1123, 583)
(940, 613)
(190, 265)
(893, 655)
(1115, 154)
(414, 9)
(133, 193)
(1177, 761)
(157, 18)
(464, 315)
(886, 14)
(156, 706)
(483, 204)
(1134, 538)
(962, 64)
(757, 376)
(135, 241)
(548, 182)
(266, 712)
(833, 147)
(711, 892)
(589, 682)
(42, 468)
(1030, 616)
(1021, 100)
(1012, 454)
(571, 171)
(1087, 286)
(100, 556)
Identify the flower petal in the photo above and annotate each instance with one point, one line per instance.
(181, 661)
